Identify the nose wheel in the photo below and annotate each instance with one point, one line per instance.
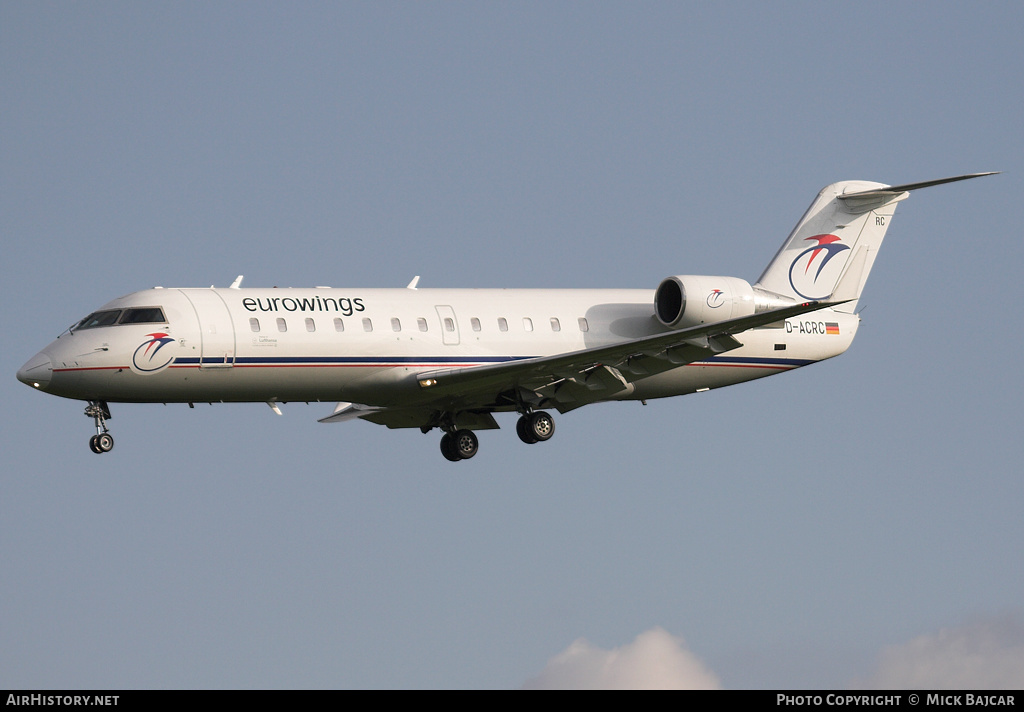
(102, 441)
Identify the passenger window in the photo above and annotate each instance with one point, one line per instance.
(396, 324)
(339, 325)
(422, 323)
(282, 325)
(584, 326)
(310, 325)
(367, 324)
(449, 324)
(143, 315)
(475, 323)
(527, 323)
(254, 325)
(555, 325)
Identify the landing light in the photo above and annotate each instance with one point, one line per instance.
(427, 382)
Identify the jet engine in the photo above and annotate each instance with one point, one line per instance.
(691, 300)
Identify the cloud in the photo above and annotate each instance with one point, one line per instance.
(654, 661)
(988, 655)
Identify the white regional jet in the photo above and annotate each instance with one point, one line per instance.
(451, 358)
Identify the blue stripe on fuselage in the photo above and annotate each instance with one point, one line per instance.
(435, 360)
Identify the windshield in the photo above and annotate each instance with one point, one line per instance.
(134, 315)
(143, 315)
(100, 318)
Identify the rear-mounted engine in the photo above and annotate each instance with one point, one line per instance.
(691, 300)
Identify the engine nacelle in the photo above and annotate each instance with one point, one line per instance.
(691, 300)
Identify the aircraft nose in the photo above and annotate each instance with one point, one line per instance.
(37, 371)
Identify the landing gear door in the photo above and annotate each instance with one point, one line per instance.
(449, 325)
(215, 326)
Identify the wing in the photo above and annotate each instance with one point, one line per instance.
(562, 381)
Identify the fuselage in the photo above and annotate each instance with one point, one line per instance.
(451, 358)
(369, 345)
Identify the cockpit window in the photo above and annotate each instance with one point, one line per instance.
(135, 315)
(100, 318)
(143, 315)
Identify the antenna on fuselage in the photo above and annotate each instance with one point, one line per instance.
(237, 283)
(413, 283)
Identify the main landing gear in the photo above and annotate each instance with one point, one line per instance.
(102, 441)
(533, 427)
(459, 445)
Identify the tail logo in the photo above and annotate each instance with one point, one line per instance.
(808, 275)
(147, 357)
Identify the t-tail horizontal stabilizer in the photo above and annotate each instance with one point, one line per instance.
(907, 187)
(830, 252)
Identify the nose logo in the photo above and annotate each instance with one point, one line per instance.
(149, 357)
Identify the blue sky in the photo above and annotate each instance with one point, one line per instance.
(853, 523)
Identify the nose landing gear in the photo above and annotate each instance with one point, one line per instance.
(102, 441)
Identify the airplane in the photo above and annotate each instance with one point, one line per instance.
(452, 358)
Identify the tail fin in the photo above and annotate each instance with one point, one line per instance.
(837, 240)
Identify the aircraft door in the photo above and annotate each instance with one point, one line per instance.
(449, 325)
(215, 326)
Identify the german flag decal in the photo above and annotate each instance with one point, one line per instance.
(832, 327)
